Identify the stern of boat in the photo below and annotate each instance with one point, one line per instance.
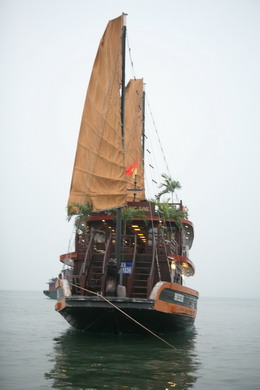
(173, 298)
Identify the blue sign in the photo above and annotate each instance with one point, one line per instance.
(126, 267)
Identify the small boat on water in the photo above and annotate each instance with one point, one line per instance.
(66, 273)
(131, 254)
(51, 292)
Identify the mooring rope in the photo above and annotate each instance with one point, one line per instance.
(127, 315)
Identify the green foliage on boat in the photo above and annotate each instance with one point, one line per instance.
(82, 212)
(168, 186)
(169, 211)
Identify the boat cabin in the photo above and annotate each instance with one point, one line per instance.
(152, 249)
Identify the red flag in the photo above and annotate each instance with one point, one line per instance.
(132, 169)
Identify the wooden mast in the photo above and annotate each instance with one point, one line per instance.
(119, 209)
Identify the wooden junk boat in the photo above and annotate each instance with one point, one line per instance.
(131, 255)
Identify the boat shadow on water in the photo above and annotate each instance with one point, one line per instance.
(95, 361)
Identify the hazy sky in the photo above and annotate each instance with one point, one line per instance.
(200, 61)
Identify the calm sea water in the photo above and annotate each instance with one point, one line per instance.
(38, 350)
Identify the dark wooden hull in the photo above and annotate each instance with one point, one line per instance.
(95, 315)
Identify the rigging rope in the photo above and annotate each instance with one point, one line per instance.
(125, 314)
(154, 125)
(148, 104)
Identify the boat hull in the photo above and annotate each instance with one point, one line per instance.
(96, 315)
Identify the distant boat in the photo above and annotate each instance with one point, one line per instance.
(65, 274)
(131, 255)
(51, 292)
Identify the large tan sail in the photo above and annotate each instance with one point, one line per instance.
(99, 169)
(133, 139)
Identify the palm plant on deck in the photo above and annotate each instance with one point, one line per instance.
(171, 212)
(169, 186)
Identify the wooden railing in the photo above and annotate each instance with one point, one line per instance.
(150, 279)
(82, 242)
(104, 266)
(129, 280)
(128, 249)
(86, 263)
(161, 248)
